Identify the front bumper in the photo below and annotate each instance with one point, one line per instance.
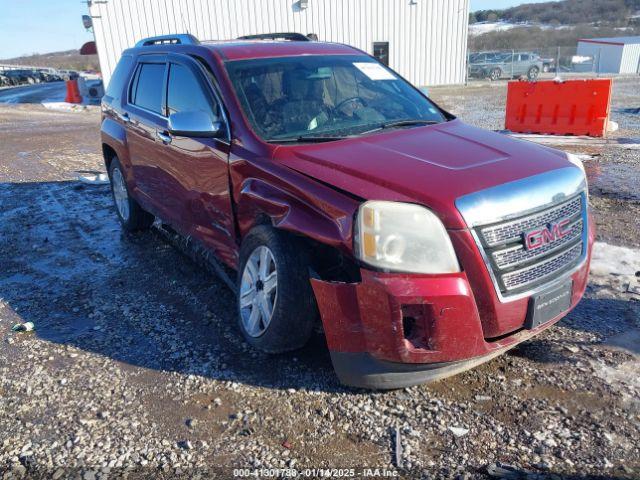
(396, 330)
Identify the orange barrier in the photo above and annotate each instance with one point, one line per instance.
(73, 93)
(574, 107)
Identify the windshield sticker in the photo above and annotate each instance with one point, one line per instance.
(374, 71)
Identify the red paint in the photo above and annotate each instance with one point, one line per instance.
(73, 92)
(540, 237)
(573, 107)
(367, 317)
(216, 192)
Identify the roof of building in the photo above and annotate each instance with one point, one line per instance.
(612, 40)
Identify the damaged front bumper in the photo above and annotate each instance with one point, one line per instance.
(393, 330)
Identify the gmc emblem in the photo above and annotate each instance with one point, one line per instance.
(545, 235)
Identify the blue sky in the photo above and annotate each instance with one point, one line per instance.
(41, 26)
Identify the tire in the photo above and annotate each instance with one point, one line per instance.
(495, 74)
(533, 73)
(130, 213)
(293, 307)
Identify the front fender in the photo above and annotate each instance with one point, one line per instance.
(259, 198)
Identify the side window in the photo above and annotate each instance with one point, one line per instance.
(184, 93)
(148, 90)
(119, 77)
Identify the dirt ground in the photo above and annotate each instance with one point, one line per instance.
(136, 367)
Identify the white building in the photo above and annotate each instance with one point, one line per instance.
(424, 40)
(612, 55)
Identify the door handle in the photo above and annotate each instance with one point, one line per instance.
(124, 117)
(165, 137)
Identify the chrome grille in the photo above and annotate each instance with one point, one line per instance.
(510, 231)
(515, 268)
(513, 256)
(540, 271)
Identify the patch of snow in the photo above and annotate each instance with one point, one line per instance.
(613, 260)
(581, 59)
(98, 179)
(480, 28)
(64, 106)
(459, 431)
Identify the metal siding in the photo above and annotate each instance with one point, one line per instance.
(607, 58)
(630, 62)
(427, 38)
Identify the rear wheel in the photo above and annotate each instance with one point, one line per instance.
(533, 73)
(131, 215)
(495, 74)
(276, 306)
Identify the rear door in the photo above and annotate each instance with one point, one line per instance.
(198, 166)
(521, 66)
(146, 115)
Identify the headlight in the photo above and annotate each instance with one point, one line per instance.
(576, 161)
(403, 237)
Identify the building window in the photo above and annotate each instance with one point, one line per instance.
(381, 52)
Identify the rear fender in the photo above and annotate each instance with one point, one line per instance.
(114, 135)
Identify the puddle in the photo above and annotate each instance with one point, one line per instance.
(618, 180)
(64, 328)
(632, 111)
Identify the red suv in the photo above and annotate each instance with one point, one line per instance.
(339, 192)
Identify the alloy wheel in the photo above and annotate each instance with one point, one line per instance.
(120, 195)
(258, 291)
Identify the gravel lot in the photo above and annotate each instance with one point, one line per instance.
(136, 367)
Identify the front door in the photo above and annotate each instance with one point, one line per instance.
(197, 166)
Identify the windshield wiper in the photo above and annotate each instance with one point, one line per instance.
(304, 138)
(400, 123)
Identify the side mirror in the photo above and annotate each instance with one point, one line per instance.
(195, 123)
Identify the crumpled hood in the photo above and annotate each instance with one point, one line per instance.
(431, 165)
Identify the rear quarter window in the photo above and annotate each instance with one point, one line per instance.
(119, 77)
(148, 89)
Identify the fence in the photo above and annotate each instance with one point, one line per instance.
(531, 63)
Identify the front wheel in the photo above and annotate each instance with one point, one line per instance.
(495, 74)
(276, 306)
(533, 73)
(131, 215)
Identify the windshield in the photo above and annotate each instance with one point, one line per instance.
(334, 96)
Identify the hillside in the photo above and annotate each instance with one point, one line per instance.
(69, 59)
(552, 24)
(618, 13)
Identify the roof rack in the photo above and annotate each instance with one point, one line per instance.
(290, 36)
(176, 39)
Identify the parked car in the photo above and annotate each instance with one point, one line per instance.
(548, 64)
(5, 81)
(337, 190)
(522, 64)
(51, 77)
(486, 65)
(497, 65)
(19, 77)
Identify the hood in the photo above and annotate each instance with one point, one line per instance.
(431, 165)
